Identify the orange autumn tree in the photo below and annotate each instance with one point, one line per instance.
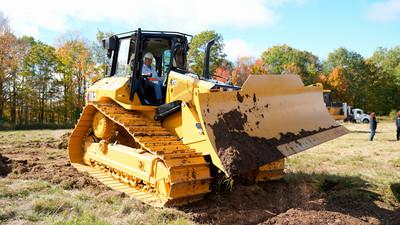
(242, 70)
(7, 41)
(339, 84)
(77, 69)
(291, 68)
(222, 74)
(259, 67)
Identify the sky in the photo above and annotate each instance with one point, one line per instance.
(248, 27)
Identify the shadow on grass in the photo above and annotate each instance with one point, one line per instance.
(361, 131)
(348, 195)
(5, 167)
(396, 190)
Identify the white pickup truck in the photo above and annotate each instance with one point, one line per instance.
(358, 116)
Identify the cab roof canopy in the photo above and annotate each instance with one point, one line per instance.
(152, 33)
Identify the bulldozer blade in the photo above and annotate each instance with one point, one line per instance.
(271, 117)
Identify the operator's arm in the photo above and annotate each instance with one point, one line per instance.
(146, 72)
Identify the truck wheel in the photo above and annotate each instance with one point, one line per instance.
(365, 120)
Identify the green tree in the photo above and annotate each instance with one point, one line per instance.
(197, 51)
(386, 64)
(283, 59)
(388, 60)
(355, 71)
(40, 66)
(99, 54)
(77, 65)
(17, 88)
(382, 90)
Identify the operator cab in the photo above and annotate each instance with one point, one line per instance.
(126, 52)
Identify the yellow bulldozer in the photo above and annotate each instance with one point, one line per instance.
(338, 110)
(170, 152)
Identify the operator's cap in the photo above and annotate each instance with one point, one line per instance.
(148, 56)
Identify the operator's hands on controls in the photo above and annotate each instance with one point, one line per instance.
(149, 72)
(146, 75)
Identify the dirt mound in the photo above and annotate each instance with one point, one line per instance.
(4, 166)
(61, 173)
(49, 143)
(250, 204)
(306, 217)
(63, 143)
(33, 160)
(282, 202)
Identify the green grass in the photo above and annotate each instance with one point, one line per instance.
(40, 202)
(19, 189)
(347, 169)
(85, 218)
(51, 205)
(395, 162)
(21, 136)
(376, 163)
(6, 213)
(395, 189)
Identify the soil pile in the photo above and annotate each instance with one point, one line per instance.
(249, 204)
(306, 217)
(4, 166)
(43, 161)
(281, 202)
(63, 143)
(49, 143)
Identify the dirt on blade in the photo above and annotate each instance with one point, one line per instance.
(239, 152)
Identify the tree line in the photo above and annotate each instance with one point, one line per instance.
(43, 86)
(372, 84)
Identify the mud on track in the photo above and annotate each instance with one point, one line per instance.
(279, 202)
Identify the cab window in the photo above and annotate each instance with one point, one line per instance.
(166, 59)
(123, 67)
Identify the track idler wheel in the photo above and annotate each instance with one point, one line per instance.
(103, 127)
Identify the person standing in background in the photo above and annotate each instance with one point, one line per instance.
(398, 125)
(372, 124)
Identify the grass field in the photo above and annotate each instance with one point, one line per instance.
(349, 180)
(376, 163)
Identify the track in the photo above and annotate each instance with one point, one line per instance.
(139, 139)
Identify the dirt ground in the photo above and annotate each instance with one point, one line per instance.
(281, 202)
(45, 160)
(299, 198)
